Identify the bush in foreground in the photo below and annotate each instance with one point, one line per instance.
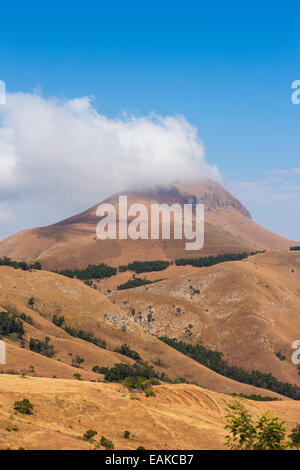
(24, 406)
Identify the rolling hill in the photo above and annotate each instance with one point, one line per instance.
(178, 417)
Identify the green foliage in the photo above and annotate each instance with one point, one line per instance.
(5, 261)
(268, 433)
(26, 318)
(140, 448)
(145, 266)
(139, 375)
(107, 443)
(31, 302)
(280, 355)
(24, 406)
(126, 351)
(58, 321)
(88, 435)
(42, 347)
(126, 434)
(9, 324)
(211, 260)
(76, 360)
(214, 360)
(295, 436)
(77, 376)
(137, 282)
(93, 271)
(254, 397)
(150, 393)
(78, 333)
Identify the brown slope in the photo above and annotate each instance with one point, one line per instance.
(73, 243)
(86, 308)
(249, 310)
(178, 417)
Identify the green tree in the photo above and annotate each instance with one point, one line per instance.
(268, 433)
(295, 436)
(24, 406)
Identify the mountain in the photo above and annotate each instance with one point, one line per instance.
(248, 310)
(72, 243)
(84, 308)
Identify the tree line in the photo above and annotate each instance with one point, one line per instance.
(214, 361)
(212, 260)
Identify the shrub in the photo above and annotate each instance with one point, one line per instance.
(295, 436)
(140, 448)
(77, 376)
(137, 282)
(24, 406)
(126, 434)
(76, 360)
(31, 302)
(88, 435)
(58, 321)
(107, 443)
(9, 323)
(150, 393)
(26, 318)
(126, 351)
(42, 347)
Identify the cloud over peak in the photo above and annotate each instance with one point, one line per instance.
(62, 156)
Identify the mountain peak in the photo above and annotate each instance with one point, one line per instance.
(210, 193)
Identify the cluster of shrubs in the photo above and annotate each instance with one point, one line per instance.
(9, 323)
(254, 397)
(104, 442)
(137, 282)
(145, 266)
(93, 271)
(5, 261)
(211, 260)
(126, 351)
(24, 406)
(26, 318)
(42, 347)
(214, 360)
(138, 376)
(78, 333)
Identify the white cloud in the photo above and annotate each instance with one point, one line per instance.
(58, 157)
(274, 200)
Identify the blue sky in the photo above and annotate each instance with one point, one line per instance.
(227, 67)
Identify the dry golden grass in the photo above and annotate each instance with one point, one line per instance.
(249, 310)
(86, 308)
(178, 417)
